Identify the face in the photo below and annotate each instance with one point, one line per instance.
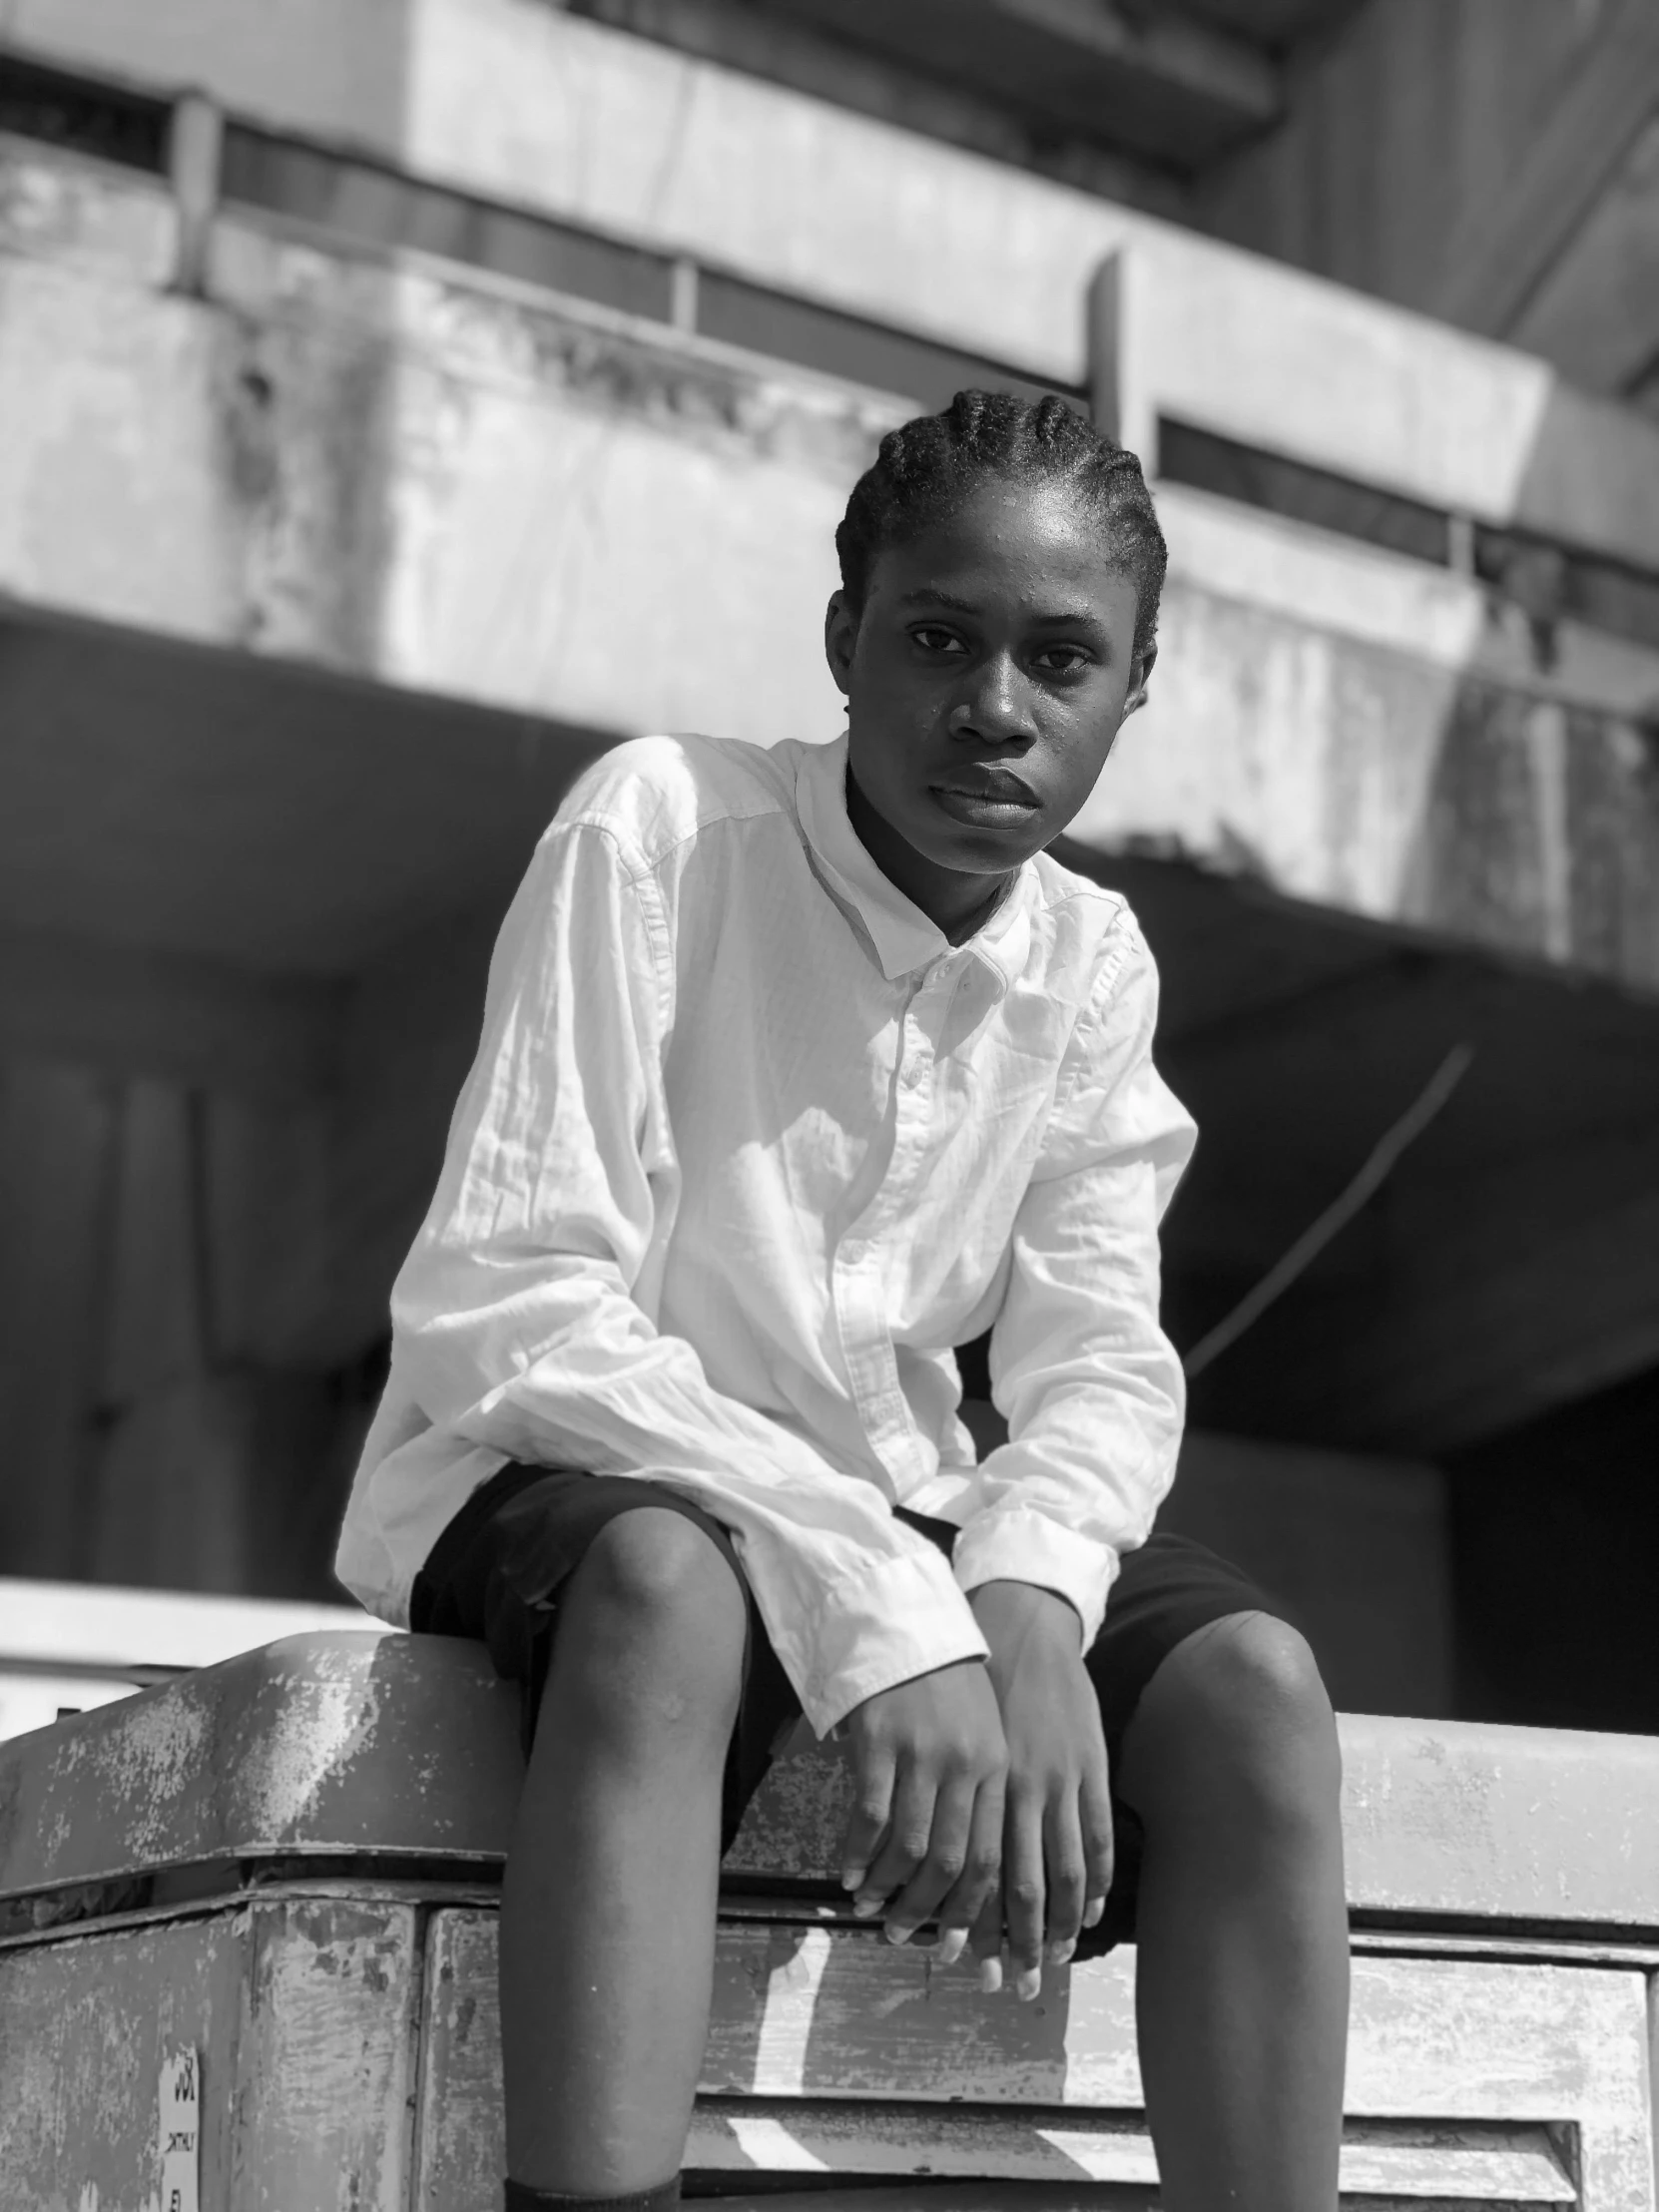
(985, 678)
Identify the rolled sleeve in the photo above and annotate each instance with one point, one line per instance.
(1022, 1545)
(899, 1620)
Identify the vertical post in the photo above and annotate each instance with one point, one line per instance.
(682, 295)
(193, 149)
(1106, 347)
(1118, 393)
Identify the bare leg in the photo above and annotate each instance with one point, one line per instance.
(608, 1908)
(1231, 1762)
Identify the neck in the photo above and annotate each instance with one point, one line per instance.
(955, 903)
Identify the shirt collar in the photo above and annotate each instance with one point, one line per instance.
(903, 936)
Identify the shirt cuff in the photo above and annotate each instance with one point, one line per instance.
(1025, 1546)
(896, 1619)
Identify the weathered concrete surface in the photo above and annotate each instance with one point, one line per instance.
(519, 102)
(1438, 1816)
(349, 2061)
(455, 488)
(351, 2044)
(408, 1746)
(339, 1742)
(426, 483)
(817, 2032)
(300, 2014)
(1363, 778)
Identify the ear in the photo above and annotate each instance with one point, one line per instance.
(841, 638)
(1140, 675)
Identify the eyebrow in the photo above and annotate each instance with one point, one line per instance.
(930, 598)
(1064, 618)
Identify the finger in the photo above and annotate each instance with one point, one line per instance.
(986, 1940)
(909, 1830)
(1063, 1873)
(1022, 1889)
(1094, 1800)
(942, 1866)
(867, 1825)
(981, 1878)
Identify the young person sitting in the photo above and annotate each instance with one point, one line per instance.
(800, 1067)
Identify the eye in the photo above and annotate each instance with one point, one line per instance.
(1062, 659)
(933, 637)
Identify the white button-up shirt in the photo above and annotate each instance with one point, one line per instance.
(747, 1147)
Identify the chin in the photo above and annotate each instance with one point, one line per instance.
(986, 853)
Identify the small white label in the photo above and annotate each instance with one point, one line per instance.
(181, 2137)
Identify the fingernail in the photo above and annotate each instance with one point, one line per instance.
(1094, 1912)
(1060, 1955)
(898, 1934)
(990, 1975)
(952, 1943)
(853, 1877)
(1028, 1983)
(865, 1906)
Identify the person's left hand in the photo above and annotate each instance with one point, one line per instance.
(1057, 1827)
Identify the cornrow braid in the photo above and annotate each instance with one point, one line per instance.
(925, 468)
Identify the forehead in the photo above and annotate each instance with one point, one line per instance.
(1012, 544)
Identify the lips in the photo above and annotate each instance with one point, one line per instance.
(998, 784)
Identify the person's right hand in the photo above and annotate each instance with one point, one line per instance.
(924, 1838)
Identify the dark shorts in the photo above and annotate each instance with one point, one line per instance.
(496, 1575)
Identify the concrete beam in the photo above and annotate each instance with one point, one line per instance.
(1287, 362)
(1367, 779)
(464, 489)
(1158, 83)
(1503, 246)
(516, 102)
(761, 42)
(1168, 46)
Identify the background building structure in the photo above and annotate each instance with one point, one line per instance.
(400, 401)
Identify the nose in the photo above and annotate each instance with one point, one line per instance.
(994, 707)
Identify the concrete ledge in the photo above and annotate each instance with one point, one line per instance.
(405, 1747)
(324, 1743)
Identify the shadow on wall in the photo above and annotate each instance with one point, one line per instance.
(1554, 1548)
(1353, 1548)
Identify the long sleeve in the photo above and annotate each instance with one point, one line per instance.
(524, 1314)
(1091, 1387)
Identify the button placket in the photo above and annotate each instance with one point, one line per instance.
(860, 1264)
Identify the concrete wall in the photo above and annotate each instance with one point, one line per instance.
(413, 474)
(519, 103)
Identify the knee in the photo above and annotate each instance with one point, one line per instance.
(1247, 1700)
(656, 1608)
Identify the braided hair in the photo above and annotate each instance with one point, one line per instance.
(927, 467)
